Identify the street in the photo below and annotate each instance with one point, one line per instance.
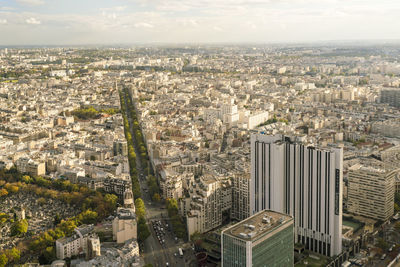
(154, 253)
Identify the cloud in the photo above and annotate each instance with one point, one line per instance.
(110, 16)
(188, 22)
(199, 21)
(31, 2)
(143, 25)
(252, 25)
(218, 29)
(32, 21)
(6, 8)
(114, 9)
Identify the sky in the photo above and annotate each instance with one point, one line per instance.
(86, 22)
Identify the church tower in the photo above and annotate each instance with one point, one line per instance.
(128, 199)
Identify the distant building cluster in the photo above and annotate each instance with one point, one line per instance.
(270, 151)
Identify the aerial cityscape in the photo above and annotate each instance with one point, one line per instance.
(140, 140)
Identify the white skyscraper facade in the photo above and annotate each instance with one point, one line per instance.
(303, 181)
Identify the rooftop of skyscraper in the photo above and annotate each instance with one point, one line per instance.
(260, 223)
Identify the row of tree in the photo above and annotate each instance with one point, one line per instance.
(142, 229)
(176, 220)
(131, 150)
(126, 106)
(139, 141)
(153, 188)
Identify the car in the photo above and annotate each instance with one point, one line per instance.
(383, 257)
(167, 264)
(175, 254)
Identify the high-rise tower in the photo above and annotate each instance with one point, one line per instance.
(303, 181)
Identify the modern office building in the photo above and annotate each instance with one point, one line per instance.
(303, 181)
(264, 239)
(371, 190)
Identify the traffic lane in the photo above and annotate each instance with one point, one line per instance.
(151, 255)
(169, 245)
(164, 246)
(157, 254)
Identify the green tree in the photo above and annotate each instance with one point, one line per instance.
(177, 222)
(3, 192)
(143, 230)
(396, 207)
(67, 227)
(49, 254)
(13, 255)
(19, 227)
(11, 188)
(111, 199)
(140, 208)
(3, 260)
(397, 198)
(172, 206)
(156, 197)
(57, 219)
(87, 217)
(196, 237)
(27, 179)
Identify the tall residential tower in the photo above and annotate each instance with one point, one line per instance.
(303, 181)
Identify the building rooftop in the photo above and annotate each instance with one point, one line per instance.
(373, 166)
(126, 214)
(260, 223)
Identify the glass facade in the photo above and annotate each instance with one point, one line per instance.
(276, 251)
(234, 252)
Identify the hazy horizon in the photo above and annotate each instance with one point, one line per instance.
(124, 22)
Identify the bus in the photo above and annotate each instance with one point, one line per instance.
(180, 252)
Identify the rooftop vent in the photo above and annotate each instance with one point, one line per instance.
(250, 235)
(266, 220)
(243, 235)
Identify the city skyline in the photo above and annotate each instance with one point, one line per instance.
(42, 22)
